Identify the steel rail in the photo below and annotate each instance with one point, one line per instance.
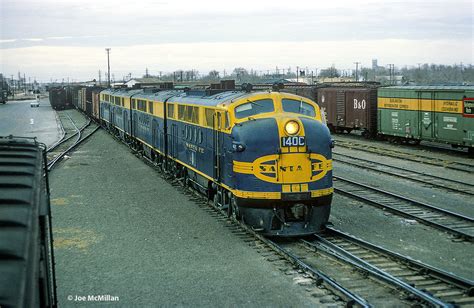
(454, 165)
(460, 282)
(406, 174)
(64, 140)
(446, 286)
(78, 141)
(390, 201)
(347, 257)
(352, 299)
(63, 132)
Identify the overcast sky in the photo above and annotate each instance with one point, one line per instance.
(65, 38)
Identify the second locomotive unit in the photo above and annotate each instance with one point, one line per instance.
(265, 156)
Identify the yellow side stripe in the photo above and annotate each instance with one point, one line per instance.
(414, 104)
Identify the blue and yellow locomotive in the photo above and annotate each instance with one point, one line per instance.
(264, 156)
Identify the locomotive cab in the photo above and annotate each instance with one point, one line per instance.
(281, 164)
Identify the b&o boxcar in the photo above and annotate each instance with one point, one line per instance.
(350, 108)
(26, 254)
(347, 106)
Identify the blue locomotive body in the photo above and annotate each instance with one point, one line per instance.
(265, 156)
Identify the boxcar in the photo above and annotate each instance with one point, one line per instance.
(433, 113)
(26, 254)
(58, 98)
(4, 90)
(95, 103)
(350, 108)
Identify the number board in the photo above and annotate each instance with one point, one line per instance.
(295, 141)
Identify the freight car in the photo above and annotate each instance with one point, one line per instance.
(407, 114)
(4, 90)
(27, 276)
(347, 106)
(58, 98)
(263, 156)
(85, 99)
(442, 114)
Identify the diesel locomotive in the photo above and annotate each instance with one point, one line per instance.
(265, 156)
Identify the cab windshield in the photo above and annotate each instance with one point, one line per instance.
(252, 108)
(291, 105)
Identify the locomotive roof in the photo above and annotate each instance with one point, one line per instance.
(197, 97)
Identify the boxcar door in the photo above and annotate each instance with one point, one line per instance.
(341, 108)
(426, 109)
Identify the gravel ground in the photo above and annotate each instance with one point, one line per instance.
(121, 230)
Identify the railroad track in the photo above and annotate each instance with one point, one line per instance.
(75, 136)
(433, 285)
(354, 287)
(324, 287)
(449, 164)
(424, 178)
(456, 224)
(374, 287)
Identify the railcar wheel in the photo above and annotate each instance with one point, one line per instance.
(233, 210)
(216, 200)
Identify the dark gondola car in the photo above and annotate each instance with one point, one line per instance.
(26, 254)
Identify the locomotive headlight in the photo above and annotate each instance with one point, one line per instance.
(292, 127)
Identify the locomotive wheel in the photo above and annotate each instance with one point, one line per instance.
(216, 200)
(233, 210)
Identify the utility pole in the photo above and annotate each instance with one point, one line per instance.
(297, 73)
(392, 72)
(13, 89)
(108, 65)
(100, 78)
(357, 71)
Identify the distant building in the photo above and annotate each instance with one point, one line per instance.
(385, 79)
(143, 82)
(337, 79)
(374, 64)
(287, 81)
